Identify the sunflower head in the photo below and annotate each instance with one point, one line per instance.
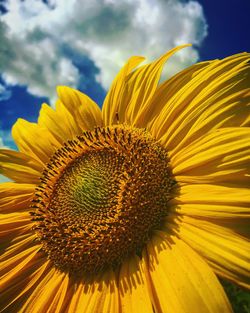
(101, 197)
(136, 207)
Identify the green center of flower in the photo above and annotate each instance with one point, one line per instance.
(101, 197)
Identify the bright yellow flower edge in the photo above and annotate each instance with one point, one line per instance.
(201, 115)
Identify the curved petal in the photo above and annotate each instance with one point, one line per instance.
(10, 268)
(213, 194)
(223, 205)
(34, 140)
(58, 304)
(116, 101)
(219, 156)
(165, 91)
(182, 281)
(100, 295)
(215, 202)
(60, 123)
(85, 111)
(45, 292)
(18, 245)
(14, 224)
(78, 299)
(132, 91)
(15, 196)
(20, 167)
(133, 289)
(216, 95)
(227, 252)
(15, 294)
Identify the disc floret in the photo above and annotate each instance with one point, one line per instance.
(101, 196)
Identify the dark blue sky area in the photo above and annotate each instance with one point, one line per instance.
(228, 28)
(20, 99)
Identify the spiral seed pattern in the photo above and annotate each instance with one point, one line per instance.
(101, 196)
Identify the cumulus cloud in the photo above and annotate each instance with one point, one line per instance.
(36, 37)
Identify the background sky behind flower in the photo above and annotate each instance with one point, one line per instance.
(83, 43)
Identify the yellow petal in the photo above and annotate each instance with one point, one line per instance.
(99, 295)
(20, 167)
(217, 213)
(226, 252)
(144, 82)
(14, 295)
(58, 304)
(75, 298)
(44, 293)
(17, 245)
(219, 156)
(105, 295)
(213, 194)
(133, 287)
(182, 281)
(34, 140)
(14, 224)
(10, 268)
(213, 96)
(213, 201)
(85, 111)
(165, 91)
(60, 123)
(131, 92)
(118, 96)
(15, 197)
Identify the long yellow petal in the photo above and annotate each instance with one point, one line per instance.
(17, 245)
(164, 92)
(219, 156)
(44, 293)
(216, 95)
(144, 82)
(133, 287)
(15, 197)
(59, 302)
(181, 280)
(99, 295)
(85, 111)
(14, 224)
(132, 91)
(105, 295)
(75, 297)
(10, 269)
(20, 167)
(34, 140)
(118, 96)
(20, 289)
(59, 122)
(216, 202)
(227, 252)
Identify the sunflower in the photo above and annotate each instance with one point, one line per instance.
(137, 207)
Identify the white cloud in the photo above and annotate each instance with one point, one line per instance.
(106, 31)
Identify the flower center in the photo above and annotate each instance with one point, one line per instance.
(101, 197)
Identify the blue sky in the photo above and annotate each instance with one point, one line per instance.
(84, 43)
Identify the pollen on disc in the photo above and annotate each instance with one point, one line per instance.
(101, 197)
